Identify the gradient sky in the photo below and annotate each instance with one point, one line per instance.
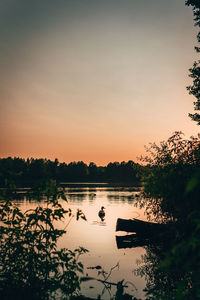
(93, 80)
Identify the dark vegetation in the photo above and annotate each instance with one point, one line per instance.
(171, 194)
(195, 70)
(26, 172)
(171, 187)
(31, 265)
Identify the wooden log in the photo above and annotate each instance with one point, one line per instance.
(140, 227)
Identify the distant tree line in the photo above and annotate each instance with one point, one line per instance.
(31, 170)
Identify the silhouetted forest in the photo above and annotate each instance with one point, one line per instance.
(30, 170)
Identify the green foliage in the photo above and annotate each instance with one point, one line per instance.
(31, 266)
(171, 192)
(172, 269)
(168, 186)
(195, 70)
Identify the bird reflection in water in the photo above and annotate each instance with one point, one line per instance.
(101, 214)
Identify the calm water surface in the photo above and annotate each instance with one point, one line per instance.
(99, 237)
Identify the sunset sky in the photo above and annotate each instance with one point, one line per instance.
(93, 80)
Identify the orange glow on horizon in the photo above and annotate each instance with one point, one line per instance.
(95, 82)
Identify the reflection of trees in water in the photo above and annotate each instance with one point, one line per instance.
(31, 266)
(79, 197)
(124, 189)
(120, 198)
(103, 189)
(160, 284)
(80, 194)
(171, 266)
(76, 190)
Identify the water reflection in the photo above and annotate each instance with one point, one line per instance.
(98, 236)
(158, 281)
(31, 264)
(108, 252)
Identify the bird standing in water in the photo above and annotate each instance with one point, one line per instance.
(101, 213)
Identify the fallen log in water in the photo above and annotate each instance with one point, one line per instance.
(142, 228)
(145, 233)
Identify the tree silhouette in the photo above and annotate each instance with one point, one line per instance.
(34, 171)
(194, 89)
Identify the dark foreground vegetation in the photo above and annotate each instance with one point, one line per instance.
(31, 265)
(27, 172)
(171, 195)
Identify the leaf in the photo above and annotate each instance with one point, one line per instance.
(192, 184)
(64, 197)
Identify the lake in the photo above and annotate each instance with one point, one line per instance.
(99, 237)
